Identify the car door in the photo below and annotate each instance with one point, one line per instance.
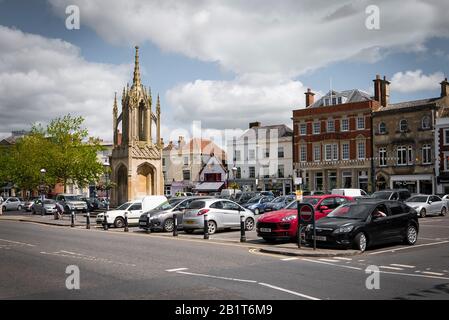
(380, 229)
(324, 207)
(180, 209)
(12, 204)
(399, 218)
(436, 205)
(135, 211)
(231, 213)
(217, 213)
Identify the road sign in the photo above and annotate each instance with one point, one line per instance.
(306, 214)
(298, 181)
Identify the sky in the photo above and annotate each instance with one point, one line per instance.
(223, 63)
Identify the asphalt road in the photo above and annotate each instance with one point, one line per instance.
(118, 265)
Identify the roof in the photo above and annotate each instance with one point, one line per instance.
(283, 131)
(209, 186)
(353, 95)
(205, 146)
(410, 104)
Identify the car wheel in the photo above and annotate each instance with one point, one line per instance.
(360, 242)
(168, 225)
(19, 208)
(249, 224)
(119, 222)
(188, 231)
(422, 213)
(443, 211)
(257, 211)
(212, 227)
(411, 235)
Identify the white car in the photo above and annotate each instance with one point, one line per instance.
(134, 209)
(427, 205)
(350, 192)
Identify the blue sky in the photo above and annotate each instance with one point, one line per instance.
(223, 63)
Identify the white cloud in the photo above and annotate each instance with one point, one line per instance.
(412, 81)
(42, 78)
(287, 37)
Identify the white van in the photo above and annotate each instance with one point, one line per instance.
(134, 208)
(350, 192)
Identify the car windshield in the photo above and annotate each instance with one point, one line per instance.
(254, 200)
(381, 194)
(164, 206)
(351, 211)
(71, 198)
(417, 199)
(124, 206)
(278, 199)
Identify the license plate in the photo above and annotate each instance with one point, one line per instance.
(265, 230)
(319, 238)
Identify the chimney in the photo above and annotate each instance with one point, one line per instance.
(377, 88)
(444, 88)
(254, 124)
(309, 97)
(385, 93)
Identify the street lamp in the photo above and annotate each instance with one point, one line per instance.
(106, 166)
(43, 172)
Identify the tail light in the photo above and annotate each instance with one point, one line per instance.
(202, 211)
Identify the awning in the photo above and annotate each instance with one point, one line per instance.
(209, 186)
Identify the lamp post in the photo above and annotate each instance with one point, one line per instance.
(234, 172)
(43, 172)
(106, 166)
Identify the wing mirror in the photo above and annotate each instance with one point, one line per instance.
(322, 208)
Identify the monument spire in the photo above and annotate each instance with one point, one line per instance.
(136, 77)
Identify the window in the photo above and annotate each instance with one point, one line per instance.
(280, 152)
(266, 172)
(316, 127)
(328, 152)
(347, 179)
(334, 101)
(252, 172)
(446, 161)
(326, 101)
(135, 207)
(252, 154)
(382, 157)
(237, 155)
(335, 151)
(329, 202)
(427, 154)
(330, 126)
(186, 174)
(410, 155)
(332, 180)
(340, 100)
(281, 171)
(403, 125)
(361, 150)
(345, 124)
(446, 137)
(317, 153)
(267, 153)
(186, 161)
(382, 128)
(239, 173)
(303, 153)
(303, 129)
(345, 151)
(319, 181)
(360, 123)
(163, 162)
(425, 122)
(401, 156)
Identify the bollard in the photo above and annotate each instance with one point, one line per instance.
(72, 223)
(242, 229)
(105, 222)
(175, 225)
(206, 228)
(148, 223)
(126, 222)
(88, 220)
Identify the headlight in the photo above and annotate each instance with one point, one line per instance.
(289, 218)
(344, 229)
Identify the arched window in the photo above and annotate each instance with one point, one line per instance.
(382, 128)
(425, 122)
(403, 125)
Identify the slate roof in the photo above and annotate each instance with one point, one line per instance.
(354, 95)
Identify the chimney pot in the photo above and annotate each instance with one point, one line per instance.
(310, 99)
(444, 88)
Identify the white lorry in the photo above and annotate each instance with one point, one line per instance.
(134, 209)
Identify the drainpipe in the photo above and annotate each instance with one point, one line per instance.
(373, 171)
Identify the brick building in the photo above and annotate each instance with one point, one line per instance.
(332, 140)
(442, 143)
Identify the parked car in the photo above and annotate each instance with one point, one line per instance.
(395, 194)
(49, 206)
(222, 214)
(283, 224)
(71, 202)
(162, 216)
(428, 205)
(363, 224)
(29, 204)
(350, 192)
(313, 193)
(183, 194)
(243, 197)
(228, 193)
(133, 208)
(279, 203)
(266, 193)
(12, 203)
(257, 204)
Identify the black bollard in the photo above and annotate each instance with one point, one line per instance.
(72, 224)
(126, 222)
(175, 225)
(206, 228)
(242, 229)
(88, 220)
(148, 224)
(105, 222)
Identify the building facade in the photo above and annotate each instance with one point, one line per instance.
(332, 141)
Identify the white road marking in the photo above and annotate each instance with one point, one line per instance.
(342, 258)
(391, 268)
(288, 291)
(433, 273)
(174, 270)
(16, 242)
(402, 265)
(332, 264)
(411, 247)
(215, 277)
(289, 259)
(328, 260)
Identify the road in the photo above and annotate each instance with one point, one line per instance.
(118, 265)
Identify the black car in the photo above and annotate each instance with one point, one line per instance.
(364, 223)
(394, 194)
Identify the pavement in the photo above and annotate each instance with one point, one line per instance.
(34, 262)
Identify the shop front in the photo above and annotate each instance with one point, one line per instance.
(422, 184)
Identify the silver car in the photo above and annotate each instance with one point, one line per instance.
(49, 206)
(221, 214)
(12, 203)
(427, 204)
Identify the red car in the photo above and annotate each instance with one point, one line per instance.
(283, 224)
